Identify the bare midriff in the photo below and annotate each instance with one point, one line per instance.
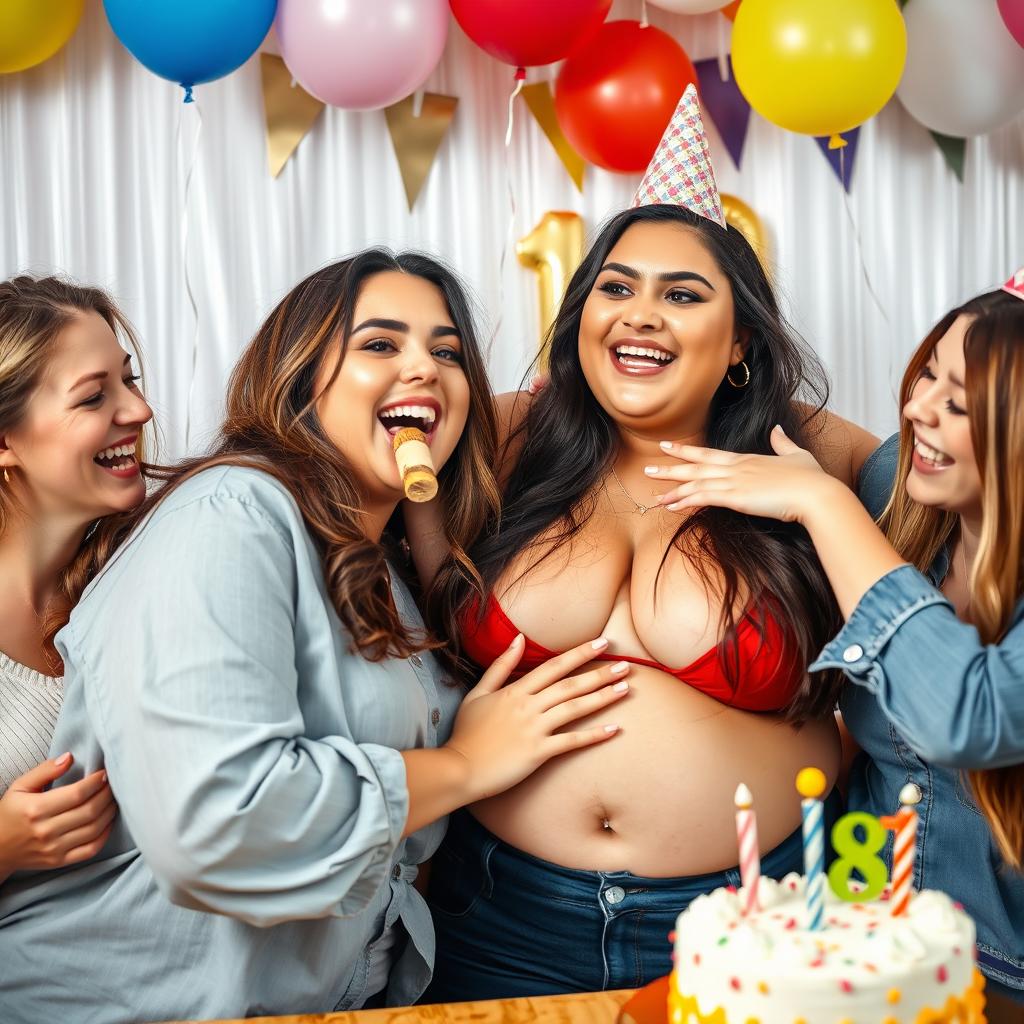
(657, 799)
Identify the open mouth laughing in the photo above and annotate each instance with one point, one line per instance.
(119, 459)
(640, 360)
(422, 413)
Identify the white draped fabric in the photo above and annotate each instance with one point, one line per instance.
(94, 153)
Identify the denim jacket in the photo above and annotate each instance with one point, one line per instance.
(930, 701)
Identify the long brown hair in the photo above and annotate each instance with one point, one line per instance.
(994, 383)
(272, 425)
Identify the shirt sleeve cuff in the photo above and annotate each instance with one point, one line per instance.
(889, 602)
(390, 768)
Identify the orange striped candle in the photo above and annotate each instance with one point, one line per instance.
(904, 824)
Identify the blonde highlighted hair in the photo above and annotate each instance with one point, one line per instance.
(994, 357)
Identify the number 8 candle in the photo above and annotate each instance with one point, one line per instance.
(810, 783)
(750, 856)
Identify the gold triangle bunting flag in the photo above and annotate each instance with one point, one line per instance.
(417, 137)
(542, 105)
(290, 111)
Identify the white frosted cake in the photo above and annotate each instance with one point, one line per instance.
(863, 967)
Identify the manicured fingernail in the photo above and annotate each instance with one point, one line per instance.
(63, 759)
(103, 776)
(651, 470)
(666, 445)
(675, 506)
(611, 728)
(621, 687)
(516, 641)
(620, 666)
(601, 641)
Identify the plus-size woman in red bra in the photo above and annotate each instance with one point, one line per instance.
(572, 880)
(669, 330)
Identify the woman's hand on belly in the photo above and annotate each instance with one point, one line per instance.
(659, 801)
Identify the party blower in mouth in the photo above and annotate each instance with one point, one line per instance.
(415, 464)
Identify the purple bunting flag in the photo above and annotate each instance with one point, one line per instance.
(841, 159)
(723, 102)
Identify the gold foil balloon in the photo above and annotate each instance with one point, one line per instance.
(553, 250)
(745, 220)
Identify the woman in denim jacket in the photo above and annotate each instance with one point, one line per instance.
(935, 647)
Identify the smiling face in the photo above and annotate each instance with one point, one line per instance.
(657, 332)
(402, 367)
(944, 472)
(73, 453)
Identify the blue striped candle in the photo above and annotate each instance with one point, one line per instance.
(811, 784)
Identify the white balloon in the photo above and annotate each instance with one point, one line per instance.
(689, 6)
(965, 72)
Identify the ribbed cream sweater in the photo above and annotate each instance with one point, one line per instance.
(29, 704)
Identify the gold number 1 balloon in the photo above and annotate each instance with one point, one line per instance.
(553, 250)
(747, 222)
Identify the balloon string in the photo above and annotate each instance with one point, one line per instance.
(510, 230)
(520, 79)
(185, 239)
(856, 235)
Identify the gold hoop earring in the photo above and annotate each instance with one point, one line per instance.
(7, 479)
(746, 379)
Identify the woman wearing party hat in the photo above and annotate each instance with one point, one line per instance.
(943, 575)
(669, 331)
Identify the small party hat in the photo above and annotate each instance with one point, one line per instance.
(680, 172)
(1015, 286)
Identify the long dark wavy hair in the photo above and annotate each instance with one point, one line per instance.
(569, 443)
(272, 425)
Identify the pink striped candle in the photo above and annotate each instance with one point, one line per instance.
(904, 824)
(750, 856)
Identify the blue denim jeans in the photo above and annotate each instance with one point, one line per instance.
(509, 924)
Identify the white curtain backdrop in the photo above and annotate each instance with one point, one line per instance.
(94, 152)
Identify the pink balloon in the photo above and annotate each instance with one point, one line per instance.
(361, 55)
(1013, 14)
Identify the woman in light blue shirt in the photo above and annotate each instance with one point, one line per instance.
(934, 637)
(282, 735)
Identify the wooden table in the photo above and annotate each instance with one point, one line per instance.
(583, 1008)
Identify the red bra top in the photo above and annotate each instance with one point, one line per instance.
(768, 671)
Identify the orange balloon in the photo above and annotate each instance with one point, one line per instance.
(730, 10)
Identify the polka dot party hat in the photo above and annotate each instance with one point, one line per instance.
(1015, 286)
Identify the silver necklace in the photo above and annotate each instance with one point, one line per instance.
(640, 509)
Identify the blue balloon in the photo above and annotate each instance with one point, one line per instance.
(191, 41)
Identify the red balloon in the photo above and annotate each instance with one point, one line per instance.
(730, 10)
(615, 97)
(525, 33)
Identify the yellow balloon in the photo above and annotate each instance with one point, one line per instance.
(553, 250)
(32, 31)
(744, 219)
(820, 67)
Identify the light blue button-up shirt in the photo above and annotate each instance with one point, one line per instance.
(258, 855)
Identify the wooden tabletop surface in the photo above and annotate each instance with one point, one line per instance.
(583, 1008)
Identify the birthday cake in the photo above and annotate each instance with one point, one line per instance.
(864, 966)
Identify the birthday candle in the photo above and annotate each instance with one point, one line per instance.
(904, 824)
(810, 782)
(750, 857)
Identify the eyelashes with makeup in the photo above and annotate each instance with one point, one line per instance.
(383, 345)
(93, 401)
(683, 297)
(951, 406)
